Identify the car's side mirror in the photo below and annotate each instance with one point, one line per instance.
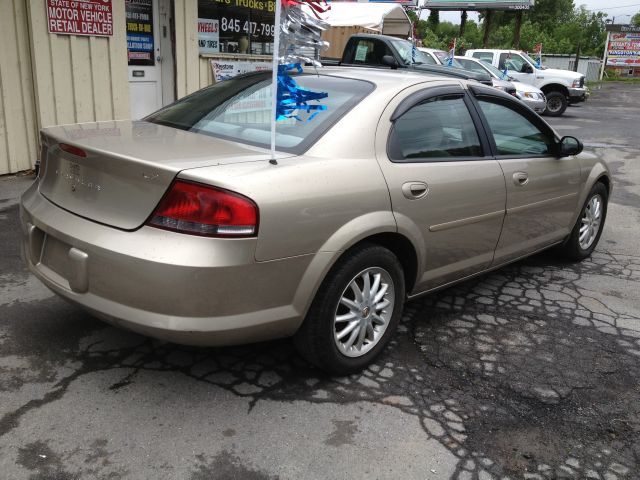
(569, 146)
(390, 61)
(526, 68)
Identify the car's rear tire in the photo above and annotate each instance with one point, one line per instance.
(556, 104)
(342, 309)
(588, 228)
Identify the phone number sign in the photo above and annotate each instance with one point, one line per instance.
(80, 17)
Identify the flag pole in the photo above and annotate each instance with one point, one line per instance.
(274, 76)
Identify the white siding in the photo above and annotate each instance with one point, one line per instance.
(186, 47)
(18, 133)
(48, 79)
(78, 78)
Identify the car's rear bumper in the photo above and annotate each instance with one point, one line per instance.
(180, 288)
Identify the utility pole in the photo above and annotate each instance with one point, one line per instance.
(516, 31)
(604, 55)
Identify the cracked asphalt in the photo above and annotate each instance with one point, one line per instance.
(532, 371)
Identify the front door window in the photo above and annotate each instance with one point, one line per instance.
(514, 134)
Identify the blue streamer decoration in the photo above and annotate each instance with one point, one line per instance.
(292, 98)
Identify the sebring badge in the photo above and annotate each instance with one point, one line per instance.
(72, 175)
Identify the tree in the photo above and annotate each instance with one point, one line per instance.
(434, 19)
(557, 24)
(635, 20)
(549, 14)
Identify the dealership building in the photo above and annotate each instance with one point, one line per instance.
(71, 61)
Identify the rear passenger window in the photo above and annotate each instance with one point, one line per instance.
(488, 56)
(439, 128)
(513, 133)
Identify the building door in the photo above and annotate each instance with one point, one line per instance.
(149, 41)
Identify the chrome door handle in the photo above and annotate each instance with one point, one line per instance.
(414, 190)
(520, 178)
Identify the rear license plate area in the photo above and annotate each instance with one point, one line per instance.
(55, 256)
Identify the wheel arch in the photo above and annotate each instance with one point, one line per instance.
(606, 180)
(555, 87)
(323, 261)
(598, 172)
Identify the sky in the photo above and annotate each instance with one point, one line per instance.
(621, 9)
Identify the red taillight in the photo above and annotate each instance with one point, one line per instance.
(202, 210)
(72, 150)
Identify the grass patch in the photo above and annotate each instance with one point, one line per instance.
(612, 80)
(622, 79)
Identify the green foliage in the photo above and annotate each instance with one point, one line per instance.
(433, 20)
(557, 24)
(635, 20)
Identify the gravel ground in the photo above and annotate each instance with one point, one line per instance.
(532, 371)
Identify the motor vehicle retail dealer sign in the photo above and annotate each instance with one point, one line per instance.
(80, 17)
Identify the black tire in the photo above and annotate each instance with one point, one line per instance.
(315, 339)
(558, 102)
(572, 249)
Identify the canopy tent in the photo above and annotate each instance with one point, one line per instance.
(386, 18)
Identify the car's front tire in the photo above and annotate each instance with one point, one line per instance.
(355, 311)
(588, 228)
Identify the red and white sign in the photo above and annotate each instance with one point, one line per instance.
(208, 35)
(623, 49)
(80, 17)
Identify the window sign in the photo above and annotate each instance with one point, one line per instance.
(140, 32)
(244, 26)
(86, 17)
(208, 35)
(361, 52)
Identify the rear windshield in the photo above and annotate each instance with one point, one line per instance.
(239, 109)
(444, 58)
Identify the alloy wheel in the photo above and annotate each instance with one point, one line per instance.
(590, 222)
(364, 312)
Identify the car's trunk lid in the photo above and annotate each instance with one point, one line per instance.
(127, 168)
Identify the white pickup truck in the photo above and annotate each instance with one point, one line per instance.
(561, 87)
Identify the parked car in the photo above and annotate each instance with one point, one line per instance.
(384, 51)
(183, 227)
(498, 81)
(529, 94)
(560, 87)
(440, 57)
